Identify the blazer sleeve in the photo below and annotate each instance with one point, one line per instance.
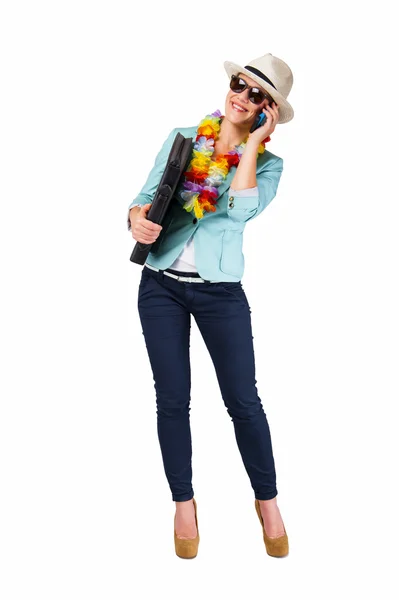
(253, 191)
(147, 193)
(245, 208)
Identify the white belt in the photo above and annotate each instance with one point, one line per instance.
(180, 277)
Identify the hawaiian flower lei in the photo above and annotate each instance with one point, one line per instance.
(205, 174)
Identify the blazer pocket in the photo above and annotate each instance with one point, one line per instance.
(232, 259)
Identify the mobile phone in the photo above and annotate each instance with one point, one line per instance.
(260, 120)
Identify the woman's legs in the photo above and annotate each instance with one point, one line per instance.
(166, 328)
(223, 317)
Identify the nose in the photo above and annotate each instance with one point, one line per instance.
(243, 97)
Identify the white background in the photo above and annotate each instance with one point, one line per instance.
(90, 91)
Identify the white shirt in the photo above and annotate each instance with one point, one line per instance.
(186, 259)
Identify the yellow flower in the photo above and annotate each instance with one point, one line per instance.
(199, 159)
(199, 213)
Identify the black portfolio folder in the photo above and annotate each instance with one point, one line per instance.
(176, 164)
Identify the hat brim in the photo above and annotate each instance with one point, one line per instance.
(286, 112)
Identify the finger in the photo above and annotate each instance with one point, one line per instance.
(274, 118)
(272, 107)
(143, 237)
(150, 225)
(271, 110)
(275, 109)
(269, 117)
(146, 239)
(147, 232)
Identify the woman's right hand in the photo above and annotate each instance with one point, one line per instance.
(143, 230)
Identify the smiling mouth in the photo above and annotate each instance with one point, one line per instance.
(238, 108)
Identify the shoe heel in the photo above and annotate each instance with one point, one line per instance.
(188, 548)
(277, 547)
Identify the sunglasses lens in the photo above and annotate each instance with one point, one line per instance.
(237, 84)
(256, 96)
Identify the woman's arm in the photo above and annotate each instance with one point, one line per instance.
(148, 190)
(245, 175)
(245, 207)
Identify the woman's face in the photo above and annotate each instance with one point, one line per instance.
(251, 110)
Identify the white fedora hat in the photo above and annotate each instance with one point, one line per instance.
(274, 76)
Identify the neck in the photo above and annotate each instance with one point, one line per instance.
(230, 134)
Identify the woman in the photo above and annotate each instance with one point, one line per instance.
(196, 269)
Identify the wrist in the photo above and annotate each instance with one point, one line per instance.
(252, 145)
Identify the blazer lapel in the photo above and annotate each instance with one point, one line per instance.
(226, 182)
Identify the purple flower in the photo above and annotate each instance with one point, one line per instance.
(193, 187)
(217, 113)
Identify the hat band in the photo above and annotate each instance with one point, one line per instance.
(260, 74)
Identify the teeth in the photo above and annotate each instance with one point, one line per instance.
(238, 107)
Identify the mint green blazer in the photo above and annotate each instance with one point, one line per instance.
(218, 238)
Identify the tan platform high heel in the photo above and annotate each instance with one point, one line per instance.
(277, 547)
(188, 548)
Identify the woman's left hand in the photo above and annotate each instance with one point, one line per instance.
(271, 112)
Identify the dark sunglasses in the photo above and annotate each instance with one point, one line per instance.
(255, 95)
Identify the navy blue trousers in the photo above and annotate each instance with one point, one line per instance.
(222, 313)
